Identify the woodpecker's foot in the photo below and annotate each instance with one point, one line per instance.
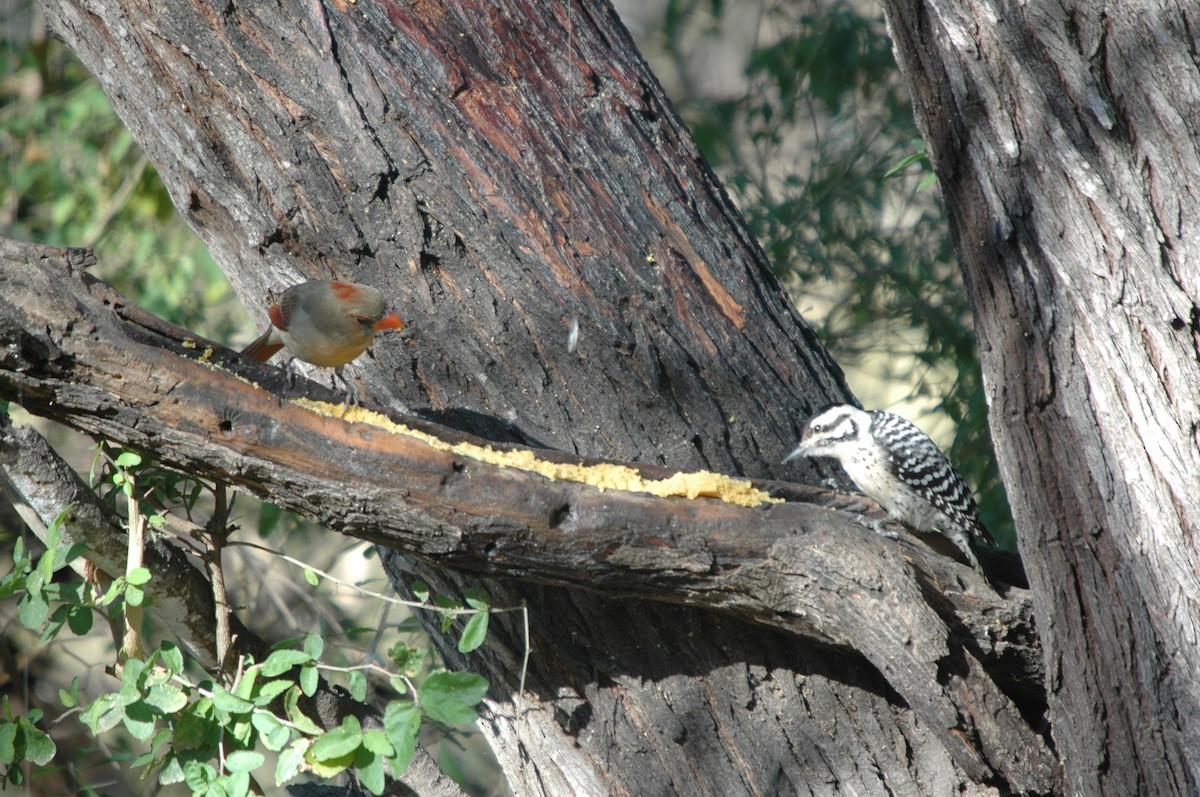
(879, 526)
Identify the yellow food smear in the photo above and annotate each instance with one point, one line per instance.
(703, 483)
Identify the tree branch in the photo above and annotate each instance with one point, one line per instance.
(85, 357)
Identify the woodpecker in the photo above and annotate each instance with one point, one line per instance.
(896, 464)
(327, 324)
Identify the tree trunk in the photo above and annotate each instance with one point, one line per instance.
(507, 171)
(1065, 136)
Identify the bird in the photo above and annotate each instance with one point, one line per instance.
(325, 323)
(896, 464)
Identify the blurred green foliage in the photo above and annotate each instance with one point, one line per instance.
(70, 175)
(809, 144)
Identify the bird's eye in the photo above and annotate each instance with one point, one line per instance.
(364, 320)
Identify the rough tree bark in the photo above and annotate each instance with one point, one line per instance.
(502, 170)
(1066, 136)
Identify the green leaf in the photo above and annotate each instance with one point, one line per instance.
(314, 645)
(327, 768)
(33, 609)
(237, 785)
(448, 696)
(137, 576)
(244, 688)
(194, 731)
(402, 724)
(105, 713)
(114, 590)
(446, 602)
(39, 748)
(199, 776)
(420, 591)
(241, 730)
(58, 618)
(298, 717)
(171, 657)
(167, 699)
(377, 742)
(45, 566)
(309, 680)
(280, 661)
(131, 675)
(478, 598)
(474, 633)
(369, 766)
(79, 620)
(234, 785)
(140, 720)
(338, 742)
(356, 682)
(225, 701)
(907, 161)
(161, 737)
(128, 459)
(171, 772)
(408, 660)
(289, 762)
(8, 740)
(144, 760)
(70, 698)
(310, 576)
(134, 595)
(64, 556)
(270, 690)
(274, 734)
(244, 761)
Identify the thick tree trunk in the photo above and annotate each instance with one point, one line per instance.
(506, 171)
(1066, 136)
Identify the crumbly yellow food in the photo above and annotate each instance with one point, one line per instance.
(604, 477)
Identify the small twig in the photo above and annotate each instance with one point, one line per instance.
(131, 642)
(216, 533)
(370, 594)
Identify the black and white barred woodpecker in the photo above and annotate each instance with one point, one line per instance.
(896, 465)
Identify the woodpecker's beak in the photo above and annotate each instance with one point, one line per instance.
(799, 451)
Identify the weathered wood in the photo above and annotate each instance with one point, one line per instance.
(1066, 137)
(502, 169)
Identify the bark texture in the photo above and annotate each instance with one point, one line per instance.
(1065, 136)
(505, 171)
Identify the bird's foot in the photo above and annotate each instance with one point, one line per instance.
(351, 392)
(879, 526)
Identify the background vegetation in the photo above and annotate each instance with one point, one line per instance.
(799, 109)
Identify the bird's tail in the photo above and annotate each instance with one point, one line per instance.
(265, 347)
